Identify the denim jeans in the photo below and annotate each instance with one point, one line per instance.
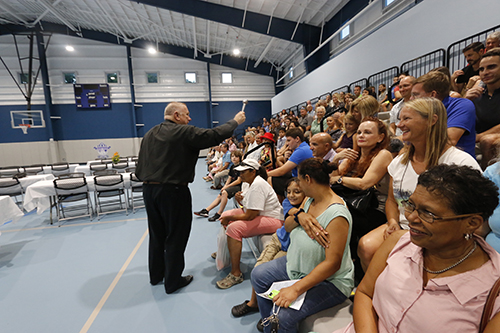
(322, 296)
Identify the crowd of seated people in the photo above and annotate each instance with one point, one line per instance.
(336, 150)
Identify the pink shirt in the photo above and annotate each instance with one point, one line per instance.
(448, 304)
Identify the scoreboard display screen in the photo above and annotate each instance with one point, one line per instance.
(92, 96)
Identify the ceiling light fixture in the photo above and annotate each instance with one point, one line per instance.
(152, 50)
(70, 48)
(236, 51)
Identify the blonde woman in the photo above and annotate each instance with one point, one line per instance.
(424, 125)
(364, 106)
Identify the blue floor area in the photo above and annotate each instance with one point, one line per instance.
(57, 278)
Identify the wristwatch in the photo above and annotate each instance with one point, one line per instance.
(339, 181)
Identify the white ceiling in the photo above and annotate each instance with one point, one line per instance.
(131, 21)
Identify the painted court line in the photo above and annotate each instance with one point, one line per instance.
(113, 284)
(72, 225)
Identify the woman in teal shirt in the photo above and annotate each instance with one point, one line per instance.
(318, 254)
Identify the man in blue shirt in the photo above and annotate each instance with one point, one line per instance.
(461, 112)
(300, 152)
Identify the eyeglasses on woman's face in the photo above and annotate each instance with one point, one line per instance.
(427, 216)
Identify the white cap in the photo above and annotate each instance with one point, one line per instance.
(247, 164)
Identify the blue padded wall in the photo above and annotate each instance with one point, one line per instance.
(117, 122)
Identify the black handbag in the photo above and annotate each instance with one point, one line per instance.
(358, 199)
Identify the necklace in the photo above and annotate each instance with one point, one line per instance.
(455, 264)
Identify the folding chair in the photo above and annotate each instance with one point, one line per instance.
(59, 168)
(34, 169)
(98, 167)
(107, 187)
(71, 188)
(120, 166)
(106, 172)
(135, 187)
(12, 187)
(9, 171)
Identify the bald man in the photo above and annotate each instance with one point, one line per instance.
(321, 145)
(167, 159)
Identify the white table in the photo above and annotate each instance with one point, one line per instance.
(9, 210)
(38, 195)
(29, 180)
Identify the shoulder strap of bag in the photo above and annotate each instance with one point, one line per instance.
(488, 307)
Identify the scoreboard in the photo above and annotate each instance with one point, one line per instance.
(92, 96)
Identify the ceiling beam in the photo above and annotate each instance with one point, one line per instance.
(39, 18)
(112, 20)
(194, 37)
(54, 12)
(282, 29)
(268, 46)
(12, 12)
(227, 61)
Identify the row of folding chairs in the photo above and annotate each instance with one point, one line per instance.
(100, 165)
(110, 194)
(56, 169)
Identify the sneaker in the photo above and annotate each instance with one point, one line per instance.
(203, 213)
(229, 281)
(214, 218)
(260, 326)
(243, 309)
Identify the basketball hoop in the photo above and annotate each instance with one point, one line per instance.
(25, 127)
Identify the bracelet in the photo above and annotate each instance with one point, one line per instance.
(296, 215)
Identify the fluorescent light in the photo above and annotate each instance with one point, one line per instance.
(152, 50)
(70, 48)
(236, 51)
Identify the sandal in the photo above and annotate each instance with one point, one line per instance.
(243, 309)
(229, 281)
(214, 255)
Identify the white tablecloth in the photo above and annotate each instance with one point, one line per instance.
(38, 194)
(9, 210)
(29, 180)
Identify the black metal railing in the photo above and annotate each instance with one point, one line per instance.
(344, 89)
(384, 77)
(363, 83)
(423, 64)
(324, 96)
(454, 55)
(301, 105)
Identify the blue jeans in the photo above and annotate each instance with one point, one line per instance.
(322, 296)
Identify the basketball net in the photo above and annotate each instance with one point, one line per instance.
(25, 127)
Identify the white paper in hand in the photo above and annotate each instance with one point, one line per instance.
(296, 305)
